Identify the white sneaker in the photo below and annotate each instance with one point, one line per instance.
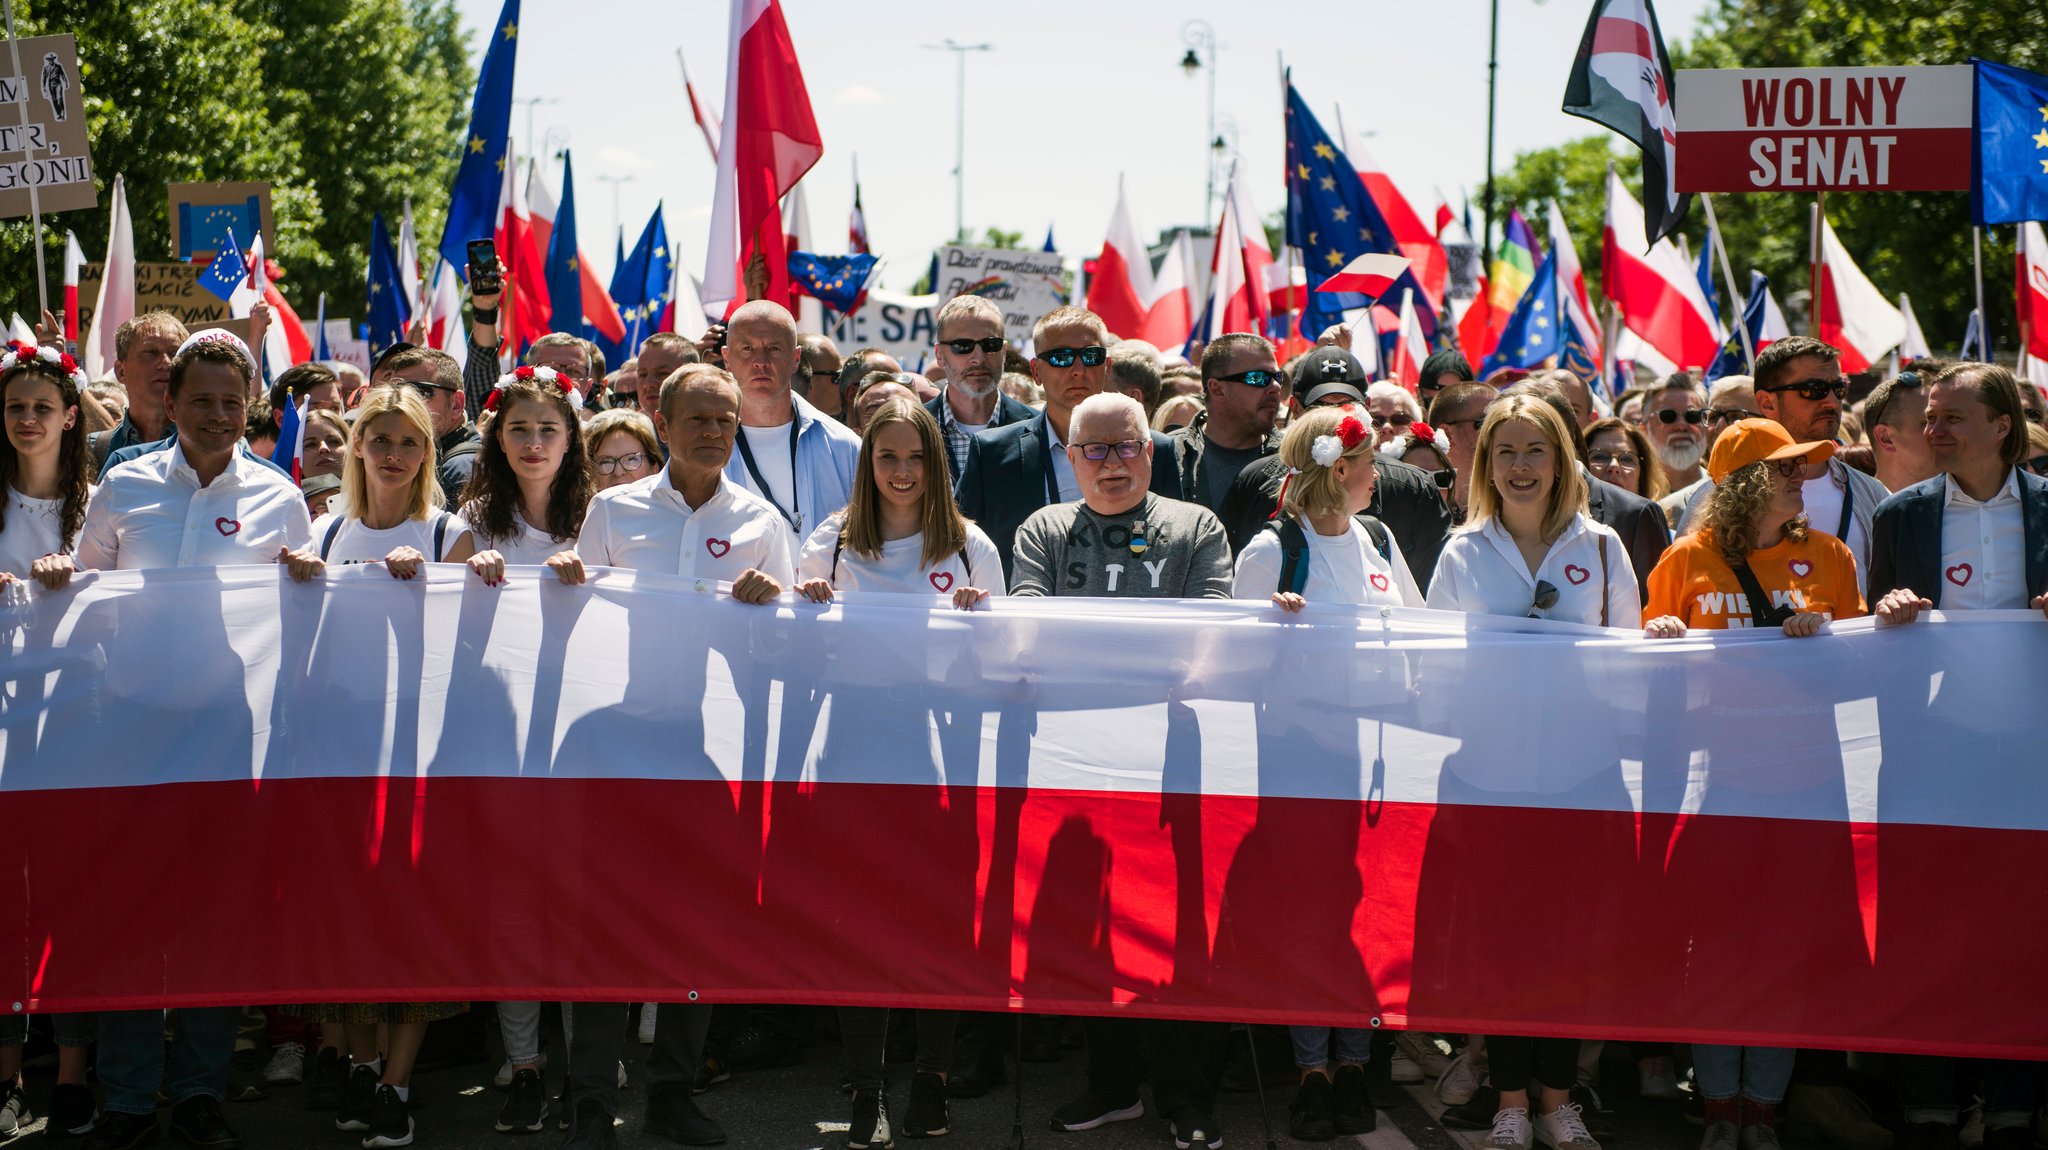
(1459, 1081)
(1510, 1130)
(1656, 1080)
(1403, 1069)
(1564, 1129)
(503, 1079)
(287, 1064)
(646, 1024)
(1427, 1050)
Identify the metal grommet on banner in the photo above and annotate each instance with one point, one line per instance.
(1376, 1022)
(693, 996)
(17, 1008)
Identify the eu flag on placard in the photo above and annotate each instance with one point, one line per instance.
(1534, 332)
(2009, 152)
(227, 270)
(564, 272)
(1332, 220)
(473, 205)
(838, 282)
(386, 308)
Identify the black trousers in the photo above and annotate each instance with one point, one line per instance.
(1183, 1059)
(864, 1032)
(1513, 1061)
(599, 1042)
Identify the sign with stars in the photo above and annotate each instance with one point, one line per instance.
(1823, 129)
(202, 215)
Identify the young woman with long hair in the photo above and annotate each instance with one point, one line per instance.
(45, 469)
(525, 500)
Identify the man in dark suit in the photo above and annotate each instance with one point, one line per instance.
(1015, 470)
(1639, 521)
(968, 343)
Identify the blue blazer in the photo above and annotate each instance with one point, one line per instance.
(1009, 475)
(1905, 538)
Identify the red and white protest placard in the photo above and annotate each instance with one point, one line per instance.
(1824, 129)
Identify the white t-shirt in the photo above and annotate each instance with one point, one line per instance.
(356, 542)
(777, 465)
(35, 528)
(646, 526)
(1343, 568)
(1824, 513)
(1481, 572)
(528, 545)
(151, 512)
(901, 567)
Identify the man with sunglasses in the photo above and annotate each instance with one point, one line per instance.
(1242, 387)
(437, 379)
(1675, 418)
(1894, 416)
(969, 344)
(1731, 399)
(1799, 384)
(1014, 470)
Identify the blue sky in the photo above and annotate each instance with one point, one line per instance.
(1073, 94)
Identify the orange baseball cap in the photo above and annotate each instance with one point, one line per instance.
(1755, 440)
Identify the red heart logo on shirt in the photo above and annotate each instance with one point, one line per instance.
(1576, 573)
(718, 547)
(1960, 574)
(943, 580)
(1379, 581)
(1801, 568)
(227, 526)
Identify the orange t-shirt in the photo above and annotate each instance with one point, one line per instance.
(1693, 581)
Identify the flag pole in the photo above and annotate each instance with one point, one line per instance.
(1813, 266)
(35, 202)
(1720, 244)
(1977, 269)
(1287, 257)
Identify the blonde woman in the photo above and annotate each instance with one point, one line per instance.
(394, 513)
(1316, 548)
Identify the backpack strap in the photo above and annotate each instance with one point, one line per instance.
(1603, 580)
(1377, 532)
(1762, 611)
(441, 534)
(1293, 553)
(333, 530)
(838, 545)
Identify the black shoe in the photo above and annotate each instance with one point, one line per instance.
(197, 1121)
(1932, 1136)
(1474, 1114)
(713, 1072)
(327, 1080)
(1091, 1110)
(118, 1131)
(245, 1076)
(758, 1048)
(1312, 1117)
(1352, 1101)
(927, 1116)
(1381, 1089)
(357, 1100)
(72, 1111)
(1041, 1038)
(870, 1124)
(526, 1104)
(14, 1111)
(390, 1120)
(673, 1114)
(1599, 1118)
(594, 1129)
(1195, 1130)
(977, 1062)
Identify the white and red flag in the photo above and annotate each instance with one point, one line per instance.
(2031, 287)
(1571, 282)
(1849, 311)
(1622, 78)
(1411, 350)
(74, 264)
(445, 329)
(1121, 287)
(1914, 345)
(857, 220)
(524, 312)
(707, 120)
(1170, 314)
(1238, 263)
(1653, 286)
(1416, 239)
(768, 141)
(115, 304)
(284, 341)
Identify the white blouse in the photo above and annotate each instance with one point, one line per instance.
(901, 567)
(528, 545)
(1343, 568)
(357, 542)
(35, 528)
(1481, 572)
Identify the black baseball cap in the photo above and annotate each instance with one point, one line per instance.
(1329, 371)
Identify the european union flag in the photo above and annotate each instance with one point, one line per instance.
(563, 263)
(386, 308)
(640, 287)
(473, 205)
(1333, 221)
(838, 282)
(1733, 359)
(2009, 154)
(1535, 331)
(227, 271)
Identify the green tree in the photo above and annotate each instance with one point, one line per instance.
(998, 238)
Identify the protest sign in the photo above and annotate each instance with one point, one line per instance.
(894, 322)
(43, 142)
(202, 215)
(158, 287)
(1824, 129)
(1025, 285)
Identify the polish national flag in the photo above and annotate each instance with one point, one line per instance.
(769, 140)
(1121, 287)
(409, 261)
(74, 263)
(524, 311)
(1578, 306)
(1914, 345)
(444, 312)
(707, 120)
(1410, 348)
(2032, 289)
(1237, 265)
(1171, 314)
(1654, 287)
(115, 304)
(796, 237)
(1416, 239)
(284, 341)
(1850, 312)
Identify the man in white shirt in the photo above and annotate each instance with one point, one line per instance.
(789, 453)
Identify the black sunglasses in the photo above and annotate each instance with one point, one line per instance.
(1546, 597)
(1716, 418)
(425, 390)
(1090, 356)
(991, 345)
(1257, 377)
(1125, 449)
(1625, 460)
(1694, 417)
(1816, 390)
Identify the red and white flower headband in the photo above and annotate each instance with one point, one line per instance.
(1328, 449)
(19, 354)
(537, 374)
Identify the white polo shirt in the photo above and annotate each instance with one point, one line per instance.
(151, 512)
(1481, 572)
(1983, 549)
(1343, 568)
(646, 526)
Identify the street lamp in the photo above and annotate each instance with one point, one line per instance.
(1200, 39)
(960, 52)
(615, 182)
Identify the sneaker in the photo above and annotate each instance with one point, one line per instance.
(673, 1114)
(647, 1023)
(357, 1100)
(503, 1078)
(1313, 1115)
(329, 1080)
(390, 1120)
(1758, 1136)
(1721, 1136)
(1836, 1114)
(1656, 1080)
(622, 1074)
(870, 1124)
(1565, 1129)
(1195, 1130)
(14, 1111)
(197, 1121)
(1404, 1070)
(1429, 1052)
(713, 1072)
(72, 1111)
(1597, 1116)
(245, 1076)
(526, 1105)
(1459, 1081)
(1091, 1110)
(1510, 1130)
(927, 1115)
(287, 1065)
(1380, 1086)
(595, 1129)
(118, 1131)
(1353, 1102)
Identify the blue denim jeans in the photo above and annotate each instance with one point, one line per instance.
(1313, 1045)
(132, 1061)
(1758, 1073)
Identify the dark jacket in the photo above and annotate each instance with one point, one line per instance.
(456, 454)
(1189, 443)
(1404, 497)
(1905, 539)
(1009, 475)
(1639, 522)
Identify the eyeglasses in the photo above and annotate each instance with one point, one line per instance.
(1789, 468)
(1445, 479)
(991, 345)
(1257, 377)
(624, 399)
(612, 464)
(1619, 460)
(1694, 417)
(1398, 419)
(1125, 449)
(1090, 356)
(1813, 391)
(1718, 416)
(1546, 597)
(427, 390)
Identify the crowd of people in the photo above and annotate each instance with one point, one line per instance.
(764, 459)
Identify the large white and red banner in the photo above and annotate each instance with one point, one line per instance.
(222, 787)
(1825, 129)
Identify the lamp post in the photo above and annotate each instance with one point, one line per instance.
(1200, 39)
(615, 181)
(960, 52)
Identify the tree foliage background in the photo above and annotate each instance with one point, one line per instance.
(1912, 242)
(347, 107)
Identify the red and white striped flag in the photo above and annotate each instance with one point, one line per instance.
(1578, 306)
(1239, 264)
(1122, 283)
(74, 263)
(1411, 350)
(1653, 286)
(707, 120)
(115, 304)
(770, 139)
(2031, 288)
(1849, 311)
(1170, 313)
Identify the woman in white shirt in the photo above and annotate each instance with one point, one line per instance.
(44, 465)
(1338, 558)
(394, 514)
(525, 500)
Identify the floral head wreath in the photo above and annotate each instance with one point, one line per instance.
(537, 374)
(1328, 449)
(1420, 432)
(19, 354)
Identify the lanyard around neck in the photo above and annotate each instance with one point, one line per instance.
(794, 513)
